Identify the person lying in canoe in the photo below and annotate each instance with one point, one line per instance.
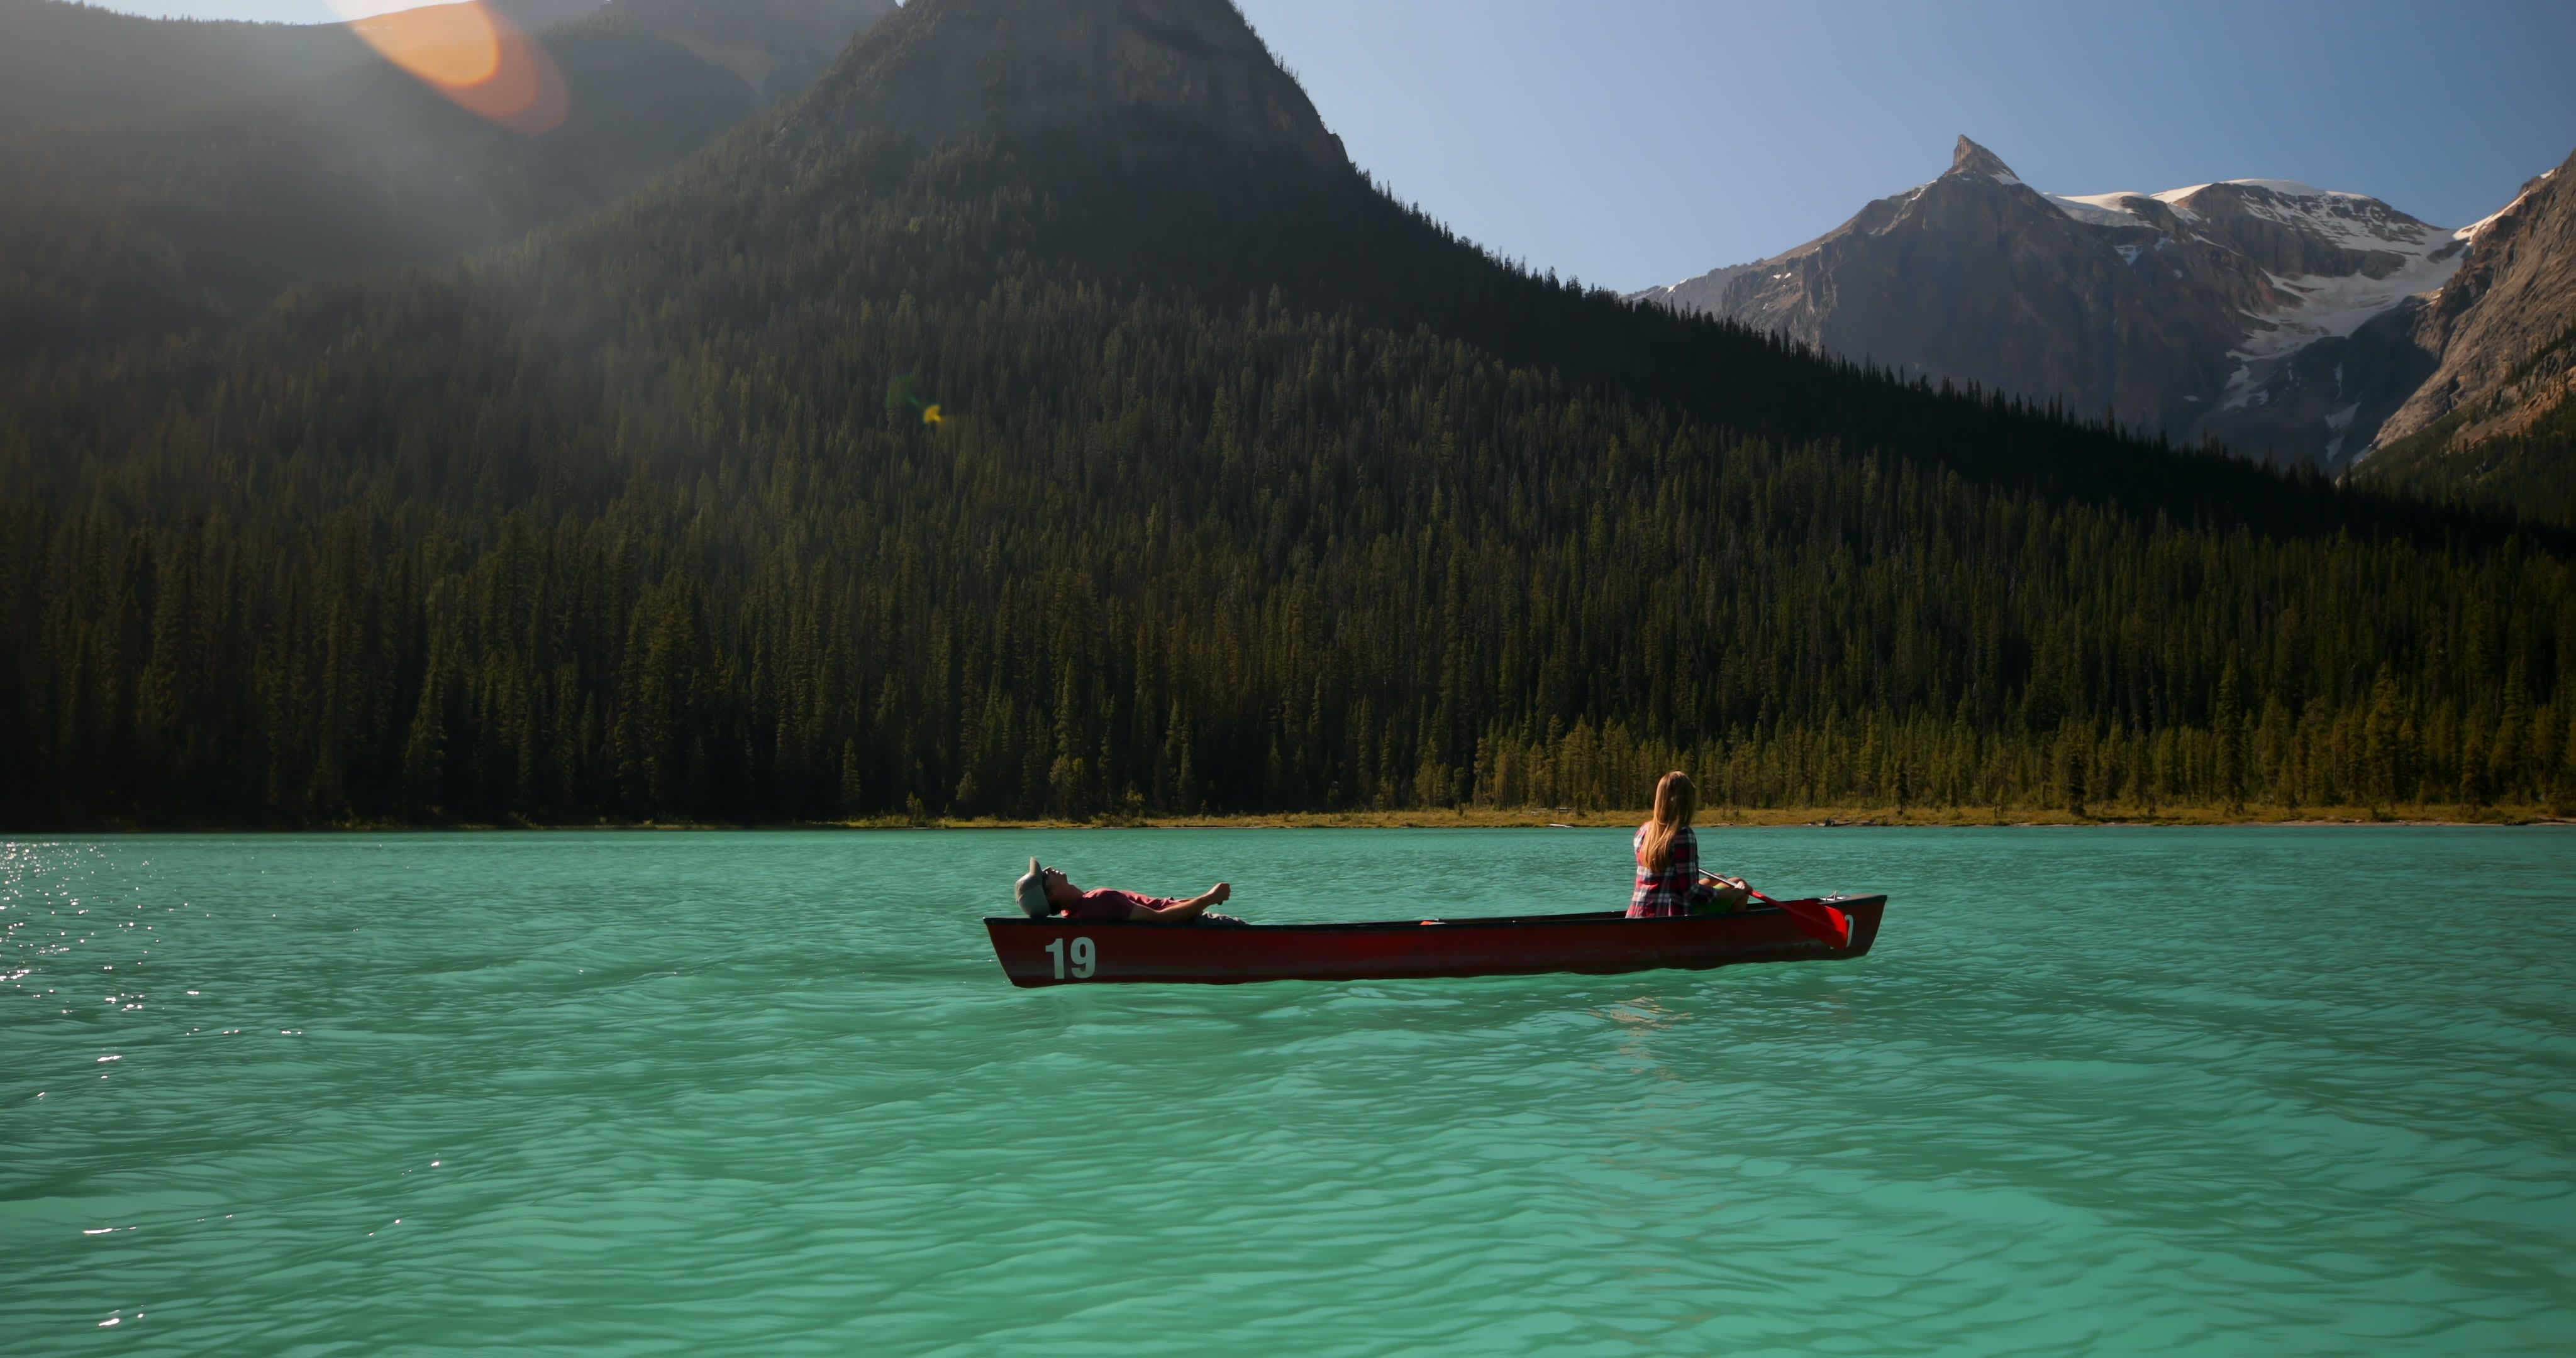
(1669, 881)
(1045, 891)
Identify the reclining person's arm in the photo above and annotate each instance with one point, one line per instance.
(1178, 912)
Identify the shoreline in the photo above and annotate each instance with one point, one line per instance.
(1528, 818)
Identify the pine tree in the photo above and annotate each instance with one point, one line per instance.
(2228, 719)
(2381, 760)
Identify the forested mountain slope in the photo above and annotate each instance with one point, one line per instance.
(131, 229)
(1246, 489)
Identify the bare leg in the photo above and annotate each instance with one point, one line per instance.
(1199, 904)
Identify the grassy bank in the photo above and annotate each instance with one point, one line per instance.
(1834, 816)
(1541, 817)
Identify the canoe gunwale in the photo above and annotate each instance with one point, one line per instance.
(1061, 950)
(1458, 921)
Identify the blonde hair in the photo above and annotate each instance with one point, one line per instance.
(1675, 800)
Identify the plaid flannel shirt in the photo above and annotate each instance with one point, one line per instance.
(1673, 890)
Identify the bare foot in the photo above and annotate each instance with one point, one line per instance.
(1221, 893)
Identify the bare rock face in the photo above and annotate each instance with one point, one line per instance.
(1971, 159)
(2265, 313)
(1126, 72)
(2502, 327)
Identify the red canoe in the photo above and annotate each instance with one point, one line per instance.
(1064, 951)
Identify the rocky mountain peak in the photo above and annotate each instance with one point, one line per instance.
(1970, 158)
(2269, 314)
(1130, 73)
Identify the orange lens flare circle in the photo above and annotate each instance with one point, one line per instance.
(479, 58)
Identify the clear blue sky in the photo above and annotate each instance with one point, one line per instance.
(1632, 142)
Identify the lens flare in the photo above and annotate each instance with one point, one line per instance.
(475, 55)
(899, 394)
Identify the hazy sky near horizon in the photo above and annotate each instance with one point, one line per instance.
(1632, 142)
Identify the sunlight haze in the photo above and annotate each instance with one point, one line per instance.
(1640, 142)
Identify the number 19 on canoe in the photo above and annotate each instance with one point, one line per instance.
(1085, 958)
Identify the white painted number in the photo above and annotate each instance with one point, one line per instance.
(1086, 958)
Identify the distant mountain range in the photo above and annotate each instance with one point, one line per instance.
(2301, 325)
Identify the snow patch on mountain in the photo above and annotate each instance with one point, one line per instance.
(2339, 423)
(2315, 307)
(2288, 188)
(2310, 307)
(2099, 209)
(2353, 220)
(2356, 220)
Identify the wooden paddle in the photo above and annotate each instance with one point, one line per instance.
(1815, 919)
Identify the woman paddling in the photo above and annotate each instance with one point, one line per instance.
(1669, 881)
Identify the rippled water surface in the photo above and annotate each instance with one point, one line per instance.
(2202, 1091)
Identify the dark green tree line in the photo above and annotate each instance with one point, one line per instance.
(1245, 501)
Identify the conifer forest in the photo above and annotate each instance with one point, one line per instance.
(1247, 490)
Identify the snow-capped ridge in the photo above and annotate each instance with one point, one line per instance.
(2099, 209)
(2288, 188)
(2113, 209)
(2475, 229)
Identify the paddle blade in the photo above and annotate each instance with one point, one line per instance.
(1820, 922)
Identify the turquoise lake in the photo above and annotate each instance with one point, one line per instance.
(2236, 1091)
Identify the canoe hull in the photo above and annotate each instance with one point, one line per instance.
(1047, 952)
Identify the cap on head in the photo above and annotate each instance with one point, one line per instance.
(1031, 892)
